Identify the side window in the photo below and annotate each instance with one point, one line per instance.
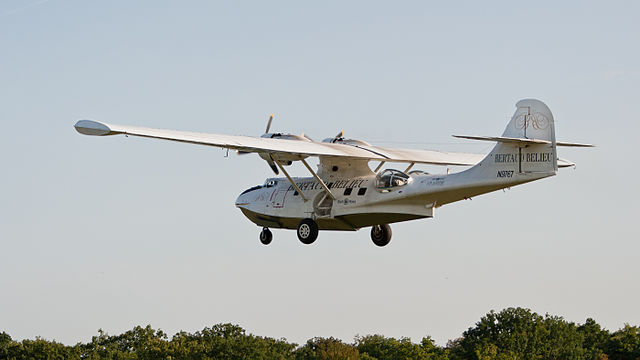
(347, 191)
(362, 191)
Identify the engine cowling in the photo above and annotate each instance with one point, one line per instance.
(285, 136)
(341, 140)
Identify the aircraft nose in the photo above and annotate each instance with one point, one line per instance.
(247, 196)
(241, 200)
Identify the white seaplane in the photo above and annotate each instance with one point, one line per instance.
(346, 194)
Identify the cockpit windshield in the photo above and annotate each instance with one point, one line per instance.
(270, 183)
(389, 179)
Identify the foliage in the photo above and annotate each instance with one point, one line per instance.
(594, 340)
(513, 333)
(327, 349)
(383, 348)
(624, 344)
(517, 333)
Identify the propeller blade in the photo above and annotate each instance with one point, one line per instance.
(269, 124)
(273, 167)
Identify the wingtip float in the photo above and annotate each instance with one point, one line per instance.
(90, 127)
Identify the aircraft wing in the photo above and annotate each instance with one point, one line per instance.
(284, 148)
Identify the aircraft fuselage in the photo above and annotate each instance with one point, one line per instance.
(362, 201)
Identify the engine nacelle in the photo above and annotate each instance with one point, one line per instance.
(341, 140)
(284, 162)
(285, 136)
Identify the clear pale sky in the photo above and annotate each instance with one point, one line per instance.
(116, 232)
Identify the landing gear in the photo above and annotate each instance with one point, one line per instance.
(266, 236)
(381, 234)
(307, 231)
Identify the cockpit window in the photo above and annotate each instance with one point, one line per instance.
(390, 179)
(270, 183)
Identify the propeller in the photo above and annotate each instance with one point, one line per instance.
(266, 131)
(273, 166)
(269, 124)
(269, 161)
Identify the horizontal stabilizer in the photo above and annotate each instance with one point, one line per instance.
(560, 143)
(521, 141)
(562, 163)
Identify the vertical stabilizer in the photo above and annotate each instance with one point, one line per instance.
(534, 120)
(516, 158)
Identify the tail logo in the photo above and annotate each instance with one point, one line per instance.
(537, 121)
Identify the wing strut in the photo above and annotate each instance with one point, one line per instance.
(326, 188)
(409, 167)
(290, 179)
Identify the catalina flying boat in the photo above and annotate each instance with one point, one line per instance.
(345, 193)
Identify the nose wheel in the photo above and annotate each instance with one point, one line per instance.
(266, 236)
(307, 231)
(381, 234)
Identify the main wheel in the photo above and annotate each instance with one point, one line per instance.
(307, 231)
(381, 234)
(266, 236)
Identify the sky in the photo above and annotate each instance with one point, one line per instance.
(110, 233)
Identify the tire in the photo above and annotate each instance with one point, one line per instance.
(266, 236)
(381, 234)
(307, 231)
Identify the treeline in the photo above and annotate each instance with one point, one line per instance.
(513, 333)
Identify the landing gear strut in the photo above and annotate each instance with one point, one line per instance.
(307, 231)
(381, 234)
(266, 236)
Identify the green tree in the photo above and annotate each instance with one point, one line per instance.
(517, 333)
(228, 341)
(327, 349)
(39, 349)
(137, 343)
(624, 344)
(383, 348)
(5, 343)
(222, 341)
(511, 334)
(594, 340)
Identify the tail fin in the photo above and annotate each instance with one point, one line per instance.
(533, 120)
(526, 149)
